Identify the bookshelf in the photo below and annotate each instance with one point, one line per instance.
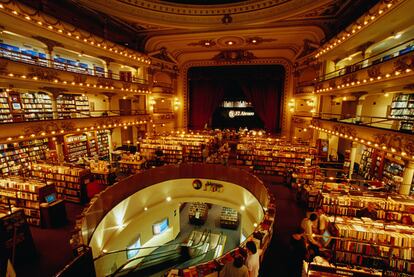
(389, 208)
(26, 194)
(82, 105)
(5, 114)
(202, 209)
(177, 148)
(366, 163)
(70, 182)
(37, 106)
(402, 107)
(75, 146)
(273, 156)
(16, 157)
(103, 144)
(372, 244)
(65, 105)
(92, 144)
(229, 218)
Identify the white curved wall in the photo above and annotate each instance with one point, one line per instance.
(129, 219)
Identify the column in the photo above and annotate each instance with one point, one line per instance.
(408, 174)
(352, 157)
(54, 105)
(358, 112)
(59, 149)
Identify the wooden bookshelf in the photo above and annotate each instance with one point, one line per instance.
(26, 194)
(5, 113)
(195, 207)
(70, 182)
(402, 107)
(103, 144)
(229, 218)
(72, 105)
(272, 156)
(15, 158)
(372, 244)
(75, 146)
(37, 106)
(389, 208)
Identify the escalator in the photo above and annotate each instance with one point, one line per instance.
(165, 257)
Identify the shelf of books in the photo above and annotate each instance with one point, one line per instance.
(70, 182)
(5, 114)
(92, 145)
(177, 148)
(26, 194)
(372, 244)
(37, 106)
(366, 163)
(16, 157)
(72, 105)
(103, 144)
(273, 157)
(229, 218)
(389, 207)
(402, 107)
(75, 146)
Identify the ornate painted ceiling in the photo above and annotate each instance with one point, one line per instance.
(205, 28)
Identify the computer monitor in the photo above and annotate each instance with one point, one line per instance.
(326, 238)
(50, 198)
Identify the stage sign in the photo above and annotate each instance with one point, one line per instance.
(233, 113)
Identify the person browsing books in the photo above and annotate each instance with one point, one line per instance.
(235, 269)
(253, 259)
(369, 211)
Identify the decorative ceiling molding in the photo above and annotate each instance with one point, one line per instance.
(208, 43)
(234, 56)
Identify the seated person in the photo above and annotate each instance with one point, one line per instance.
(369, 211)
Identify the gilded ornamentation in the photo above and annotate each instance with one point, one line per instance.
(399, 143)
(79, 78)
(404, 63)
(346, 130)
(104, 82)
(374, 71)
(234, 56)
(349, 78)
(3, 66)
(43, 73)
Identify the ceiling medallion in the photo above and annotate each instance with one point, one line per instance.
(204, 43)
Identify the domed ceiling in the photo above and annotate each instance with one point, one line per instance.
(201, 29)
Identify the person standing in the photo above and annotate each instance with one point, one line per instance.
(253, 259)
(369, 211)
(323, 220)
(235, 269)
(297, 253)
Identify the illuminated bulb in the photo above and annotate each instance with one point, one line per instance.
(27, 17)
(168, 199)
(386, 94)
(255, 225)
(145, 209)
(242, 207)
(403, 153)
(20, 137)
(9, 138)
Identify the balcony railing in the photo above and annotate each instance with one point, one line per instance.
(62, 115)
(44, 62)
(401, 125)
(375, 59)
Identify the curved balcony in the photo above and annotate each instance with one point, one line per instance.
(389, 68)
(30, 68)
(80, 122)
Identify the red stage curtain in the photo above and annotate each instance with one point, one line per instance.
(265, 98)
(205, 97)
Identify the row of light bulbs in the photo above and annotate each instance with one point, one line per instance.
(88, 85)
(85, 129)
(364, 81)
(363, 141)
(61, 30)
(343, 36)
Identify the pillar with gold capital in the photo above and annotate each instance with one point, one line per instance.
(408, 174)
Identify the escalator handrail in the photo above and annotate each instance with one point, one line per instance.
(119, 269)
(103, 254)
